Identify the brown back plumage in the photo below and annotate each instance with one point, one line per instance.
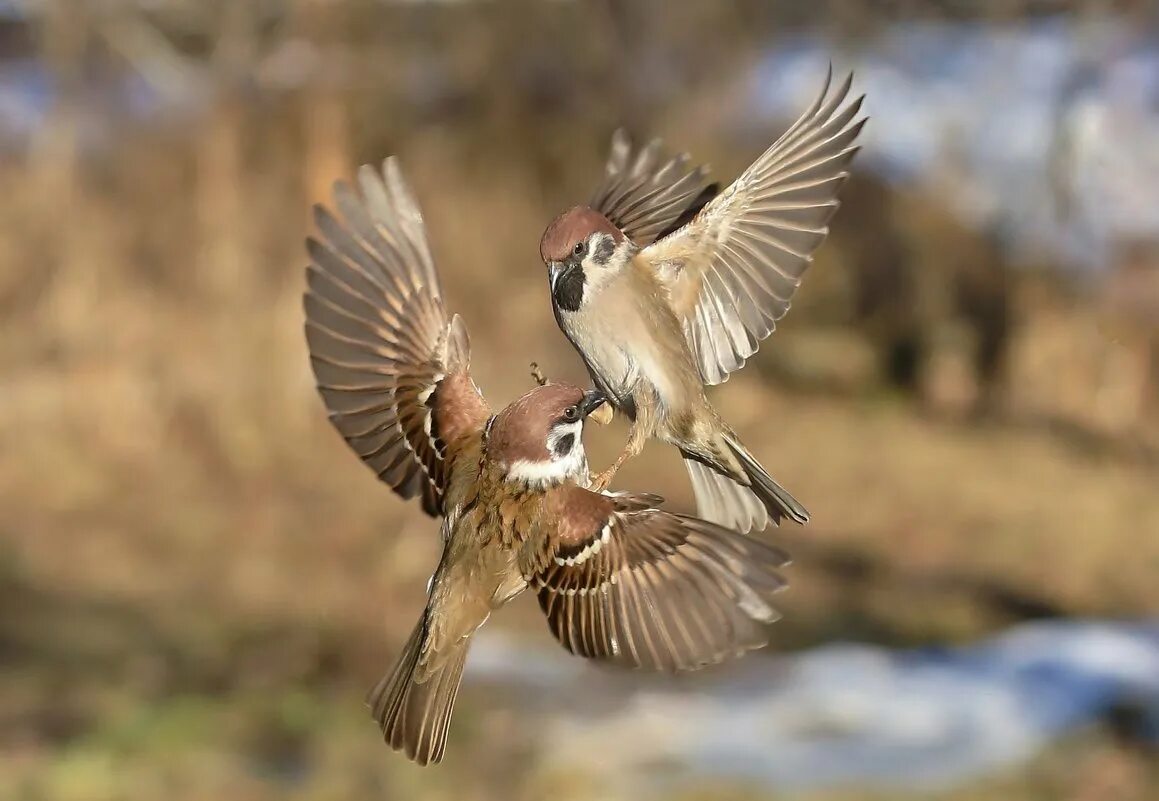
(573, 226)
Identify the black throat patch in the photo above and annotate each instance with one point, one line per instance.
(569, 288)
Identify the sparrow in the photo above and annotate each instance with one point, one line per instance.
(618, 578)
(665, 287)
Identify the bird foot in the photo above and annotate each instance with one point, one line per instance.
(600, 482)
(537, 374)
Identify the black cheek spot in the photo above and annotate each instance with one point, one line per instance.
(604, 250)
(569, 289)
(563, 445)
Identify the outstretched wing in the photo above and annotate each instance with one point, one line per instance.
(393, 370)
(646, 194)
(621, 580)
(732, 271)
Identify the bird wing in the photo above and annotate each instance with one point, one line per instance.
(621, 580)
(646, 194)
(393, 370)
(732, 271)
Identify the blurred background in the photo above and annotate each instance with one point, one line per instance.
(198, 582)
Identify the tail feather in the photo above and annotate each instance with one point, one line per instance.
(776, 499)
(721, 500)
(414, 715)
(724, 501)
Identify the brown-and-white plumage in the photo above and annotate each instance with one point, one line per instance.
(618, 578)
(658, 320)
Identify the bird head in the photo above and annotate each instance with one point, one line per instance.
(582, 250)
(538, 439)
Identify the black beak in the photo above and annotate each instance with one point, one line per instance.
(592, 400)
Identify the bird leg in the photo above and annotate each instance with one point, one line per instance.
(636, 439)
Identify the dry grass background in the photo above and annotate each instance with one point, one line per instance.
(197, 580)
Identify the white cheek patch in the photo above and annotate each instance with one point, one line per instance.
(599, 272)
(538, 474)
(572, 464)
(574, 430)
(595, 276)
(573, 460)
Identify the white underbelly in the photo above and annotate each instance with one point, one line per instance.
(625, 369)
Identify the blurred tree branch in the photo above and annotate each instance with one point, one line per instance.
(64, 35)
(151, 54)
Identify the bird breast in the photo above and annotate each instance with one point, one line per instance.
(482, 548)
(635, 348)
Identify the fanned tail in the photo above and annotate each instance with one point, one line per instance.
(776, 499)
(414, 715)
(724, 501)
(721, 500)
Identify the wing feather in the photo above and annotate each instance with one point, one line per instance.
(646, 194)
(391, 366)
(621, 580)
(737, 264)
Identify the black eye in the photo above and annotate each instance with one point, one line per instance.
(580, 248)
(571, 414)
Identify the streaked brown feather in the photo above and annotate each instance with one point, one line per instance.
(391, 367)
(657, 590)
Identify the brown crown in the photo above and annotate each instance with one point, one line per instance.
(520, 431)
(573, 226)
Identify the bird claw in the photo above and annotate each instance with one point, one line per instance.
(537, 374)
(600, 482)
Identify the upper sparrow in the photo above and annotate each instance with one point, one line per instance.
(658, 321)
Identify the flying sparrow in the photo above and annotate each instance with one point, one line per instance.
(617, 578)
(656, 323)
